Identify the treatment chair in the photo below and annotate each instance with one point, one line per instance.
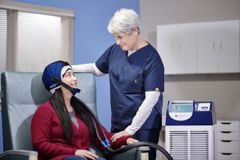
(22, 93)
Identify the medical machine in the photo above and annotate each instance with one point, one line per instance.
(190, 130)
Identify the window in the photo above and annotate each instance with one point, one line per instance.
(33, 36)
(39, 41)
(3, 39)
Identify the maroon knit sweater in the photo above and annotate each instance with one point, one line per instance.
(48, 137)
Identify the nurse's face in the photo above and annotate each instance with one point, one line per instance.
(127, 41)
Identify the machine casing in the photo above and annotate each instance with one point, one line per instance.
(190, 130)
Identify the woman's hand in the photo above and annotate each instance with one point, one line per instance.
(131, 141)
(85, 153)
(119, 135)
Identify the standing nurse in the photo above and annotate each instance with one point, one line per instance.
(136, 74)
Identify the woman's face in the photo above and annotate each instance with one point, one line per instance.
(127, 41)
(69, 78)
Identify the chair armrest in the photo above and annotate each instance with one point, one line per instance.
(140, 153)
(144, 152)
(19, 155)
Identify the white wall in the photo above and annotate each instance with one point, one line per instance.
(223, 89)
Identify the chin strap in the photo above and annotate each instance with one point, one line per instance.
(72, 90)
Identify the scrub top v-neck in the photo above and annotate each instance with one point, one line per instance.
(130, 77)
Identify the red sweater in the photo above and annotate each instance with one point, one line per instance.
(49, 140)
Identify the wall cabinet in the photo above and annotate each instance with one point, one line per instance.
(208, 47)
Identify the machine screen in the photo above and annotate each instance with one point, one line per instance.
(181, 108)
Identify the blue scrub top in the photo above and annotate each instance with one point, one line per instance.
(130, 76)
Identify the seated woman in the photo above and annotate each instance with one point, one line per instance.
(62, 128)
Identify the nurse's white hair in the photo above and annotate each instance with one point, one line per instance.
(123, 21)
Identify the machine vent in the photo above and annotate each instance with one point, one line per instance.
(179, 145)
(199, 145)
(214, 144)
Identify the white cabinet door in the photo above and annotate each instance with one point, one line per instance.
(166, 41)
(187, 48)
(218, 47)
(207, 52)
(229, 47)
(177, 47)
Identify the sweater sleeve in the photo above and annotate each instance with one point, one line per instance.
(151, 98)
(117, 144)
(40, 129)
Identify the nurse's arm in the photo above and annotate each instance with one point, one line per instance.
(89, 67)
(151, 98)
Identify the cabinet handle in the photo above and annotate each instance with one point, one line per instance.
(226, 141)
(213, 46)
(225, 123)
(179, 48)
(172, 48)
(226, 153)
(227, 132)
(221, 46)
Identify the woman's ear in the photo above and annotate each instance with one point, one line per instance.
(136, 31)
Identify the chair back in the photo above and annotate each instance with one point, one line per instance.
(22, 94)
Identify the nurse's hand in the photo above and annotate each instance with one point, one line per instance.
(118, 135)
(131, 141)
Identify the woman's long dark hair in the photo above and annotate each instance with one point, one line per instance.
(58, 104)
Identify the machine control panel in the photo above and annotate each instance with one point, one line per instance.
(190, 112)
(181, 111)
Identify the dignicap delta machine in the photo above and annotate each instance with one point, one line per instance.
(190, 130)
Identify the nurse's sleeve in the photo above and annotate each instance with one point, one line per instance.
(99, 68)
(151, 98)
(89, 67)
